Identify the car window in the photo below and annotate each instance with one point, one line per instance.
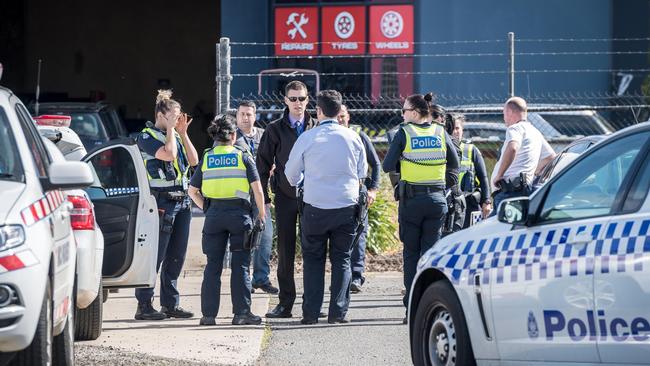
(115, 172)
(639, 189)
(578, 148)
(588, 189)
(574, 124)
(10, 164)
(39, 154)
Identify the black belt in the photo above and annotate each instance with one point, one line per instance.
(425, 189)
(172, 196)
(234, 202)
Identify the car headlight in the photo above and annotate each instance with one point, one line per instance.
(11, 236)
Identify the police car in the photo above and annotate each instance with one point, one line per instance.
(560, 278)
(37, 246)
(115, 222)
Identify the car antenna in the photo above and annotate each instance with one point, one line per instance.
(38, 86)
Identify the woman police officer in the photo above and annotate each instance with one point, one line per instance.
(221, 188)
(426, 158)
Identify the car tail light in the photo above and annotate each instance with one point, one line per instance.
(105, 158)
(53, 120)
(81, 216)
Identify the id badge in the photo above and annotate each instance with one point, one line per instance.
(186, 184)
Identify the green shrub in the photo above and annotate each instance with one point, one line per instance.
(382, 219)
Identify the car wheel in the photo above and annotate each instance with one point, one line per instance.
(63, 346)
(440, 334)
(39, 352)
(88, 321)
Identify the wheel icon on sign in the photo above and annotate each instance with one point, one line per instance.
(392, 24)
(344, 25)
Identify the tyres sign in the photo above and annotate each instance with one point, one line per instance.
(343, 30)
(391, 29)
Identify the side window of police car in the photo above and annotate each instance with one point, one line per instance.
(115, 172)
(39, 153)
(589, 188)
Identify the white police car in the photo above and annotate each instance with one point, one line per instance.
(560, 278)
(37, 247)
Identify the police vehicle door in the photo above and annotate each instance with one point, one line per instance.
(544, 300)
(127, 214)
(622, 288)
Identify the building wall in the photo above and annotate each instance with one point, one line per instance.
(444, 20)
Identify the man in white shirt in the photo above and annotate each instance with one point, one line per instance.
(524, 154)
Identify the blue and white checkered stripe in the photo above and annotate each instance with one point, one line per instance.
(546, 254)
(110, 192)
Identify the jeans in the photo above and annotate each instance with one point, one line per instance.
(499, 197)
(262, 254)
(174, 233)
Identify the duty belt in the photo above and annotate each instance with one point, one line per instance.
(172, 196)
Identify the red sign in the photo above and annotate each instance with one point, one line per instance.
(296, 31)
(391, 29)
(343, 30)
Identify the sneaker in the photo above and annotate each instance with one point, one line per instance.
(246, 319)
(207, 320)
(268, 288)
(177, 312)
(355, 286)
(147, 312)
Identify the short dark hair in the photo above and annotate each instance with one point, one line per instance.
(247, 103)
(329, 101)
(222, 127)
(294, 85)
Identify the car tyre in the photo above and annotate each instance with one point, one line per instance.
(440, 335)
(88, 321)
(39, 352)
(63, 345)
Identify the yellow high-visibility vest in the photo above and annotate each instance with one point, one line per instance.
(158, 180)
(424, 159)
(224, 174)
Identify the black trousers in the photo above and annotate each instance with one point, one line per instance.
(286, 217)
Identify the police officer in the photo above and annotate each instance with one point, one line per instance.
(221, 188)
(524, 154)
(168, 154)
(372, 184)
(456, 201)
(428, 164)
(472, 178)
(329, 161)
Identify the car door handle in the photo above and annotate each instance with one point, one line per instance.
(580, 238)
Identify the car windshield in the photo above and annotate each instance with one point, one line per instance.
(575, 124)
(10, 164)
(485, 132)
(88, 126)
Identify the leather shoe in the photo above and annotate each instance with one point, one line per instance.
(177, 312)
(338, 320)
(307, 321)
(279, 312)
(207, 320)
(268, 288)
(246, 319)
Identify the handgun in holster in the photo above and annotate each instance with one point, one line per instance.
(253, 237)
(362, 212)
(300, 195)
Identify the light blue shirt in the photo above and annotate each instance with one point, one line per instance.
(332, 159)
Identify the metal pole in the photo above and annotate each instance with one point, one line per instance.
(226, 78)
(217, 81)
(511, 64)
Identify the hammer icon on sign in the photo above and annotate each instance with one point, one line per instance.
(297, 25)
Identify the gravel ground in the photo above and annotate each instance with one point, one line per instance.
(110, 356)
(375, 335)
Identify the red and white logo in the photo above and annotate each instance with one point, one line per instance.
(343, 30)
(392, 24)
(391, 29)
(296, 31)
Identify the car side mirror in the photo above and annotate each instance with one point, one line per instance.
(514, 211)
(68, 175)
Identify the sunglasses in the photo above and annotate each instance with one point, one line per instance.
(295, 99)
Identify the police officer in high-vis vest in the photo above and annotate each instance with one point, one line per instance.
(428, 164)
(472, 178)
(221, 187)
(168, 154)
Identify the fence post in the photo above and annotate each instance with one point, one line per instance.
(223, 77)
(511, 64)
